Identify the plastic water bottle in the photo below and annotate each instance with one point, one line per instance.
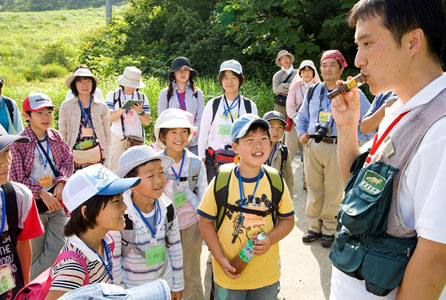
(241, 260)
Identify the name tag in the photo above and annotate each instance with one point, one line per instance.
(6, 279)
(130, 117)
(179, 199)
(224, 129)
(46, 181)
(87, 132)
(324, 116)
(155, 255)
(254, 220)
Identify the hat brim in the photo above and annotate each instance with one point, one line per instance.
(130, 83)
(8, 139)
(166, 162)
(277, 118)
(119, 186)
(70, 79)
(245, 128)
(279, 57)
(161, 144)
(193, 73)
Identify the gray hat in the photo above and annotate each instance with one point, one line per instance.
(138, 155)
(274, 115)
(283, 53)
(231, 65)
(131, 78)
(7, 139)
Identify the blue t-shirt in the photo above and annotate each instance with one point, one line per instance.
(4, 120)
(378, 102)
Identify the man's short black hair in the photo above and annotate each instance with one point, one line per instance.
(402, 16)
(74, 89)
(77, 223)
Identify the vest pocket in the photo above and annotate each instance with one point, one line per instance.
(366, 203)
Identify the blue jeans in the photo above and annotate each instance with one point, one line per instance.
(155, 290)
(269, 292)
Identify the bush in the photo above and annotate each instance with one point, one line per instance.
(33, 72)
(54, 70)
(60, 53)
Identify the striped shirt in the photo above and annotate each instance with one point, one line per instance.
(69, 274)
(129, 256)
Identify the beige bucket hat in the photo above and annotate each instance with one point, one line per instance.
(81, 72)
(131, 78)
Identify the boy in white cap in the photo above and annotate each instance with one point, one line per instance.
(43, 165)
(127, 122)
(254, 200)
(185, 185)
(149, 247)
(20, 223)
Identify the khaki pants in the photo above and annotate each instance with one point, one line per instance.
(281, 109)
(117, 148)
(191, 243)
(324, 184)
(292, 141)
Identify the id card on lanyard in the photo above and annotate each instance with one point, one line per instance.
(87, 131)
(179, 195)
(46, 180)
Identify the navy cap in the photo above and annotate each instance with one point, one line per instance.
(242, 125)
(7, 139)
(274, 115)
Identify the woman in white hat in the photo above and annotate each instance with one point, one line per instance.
(84, 121)
(127, 128)
(183, 94)
(306, 77)
(214, 140)
(97, 93)
(282, 80)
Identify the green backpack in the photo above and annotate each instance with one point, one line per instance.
(221, 187)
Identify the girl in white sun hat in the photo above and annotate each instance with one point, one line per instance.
(185, 185)
(127, 128)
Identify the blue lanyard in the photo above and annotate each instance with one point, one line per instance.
(182, 105)
(47, 152)
(269, 161)
(242, 192)
(228, 108)
(155, 217)
(178, 177)
(108, 268)
(3, 211)
(84, 113)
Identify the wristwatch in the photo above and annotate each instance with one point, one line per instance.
(142, 113)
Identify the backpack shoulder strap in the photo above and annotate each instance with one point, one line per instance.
(215, 105)
(128, 223)
(117, 97)
(12, 212)
(79, 258)
(10, 107)
(221, 188)
(284, 157)
(170, 215)
(276, 183)
(247, 104)
(194, 171)
(311, 91)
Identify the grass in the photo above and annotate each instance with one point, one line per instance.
(40, 49)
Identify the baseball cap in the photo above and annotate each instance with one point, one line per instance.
(138, 155)
(173, 118)
(274, 115)
(36, 102)
(242, 125)
(231, 65)
(94, 180)
(7, 139)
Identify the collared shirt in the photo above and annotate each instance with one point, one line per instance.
(23, 158)
(69, 274)
(308, 115)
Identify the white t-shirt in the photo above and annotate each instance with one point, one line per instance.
(421, 195)
(132, 122)
(218, 134)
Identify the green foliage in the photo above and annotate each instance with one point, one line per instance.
(45, 5)
(59, 52)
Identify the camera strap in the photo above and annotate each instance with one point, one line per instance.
(322, 98)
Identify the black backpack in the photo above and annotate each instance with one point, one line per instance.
(12, 213)
(216, 103)
(10, 107)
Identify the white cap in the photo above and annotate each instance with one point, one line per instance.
(173, 118)
(231, 65)
(94, 180)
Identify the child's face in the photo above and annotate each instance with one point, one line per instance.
(111, 217)
(5, 163)
(276, 130)
(176, 139)
(129, 90)
(182, 75)
(152, 180)
(253, 148)
(40, 120)
(230, 82)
